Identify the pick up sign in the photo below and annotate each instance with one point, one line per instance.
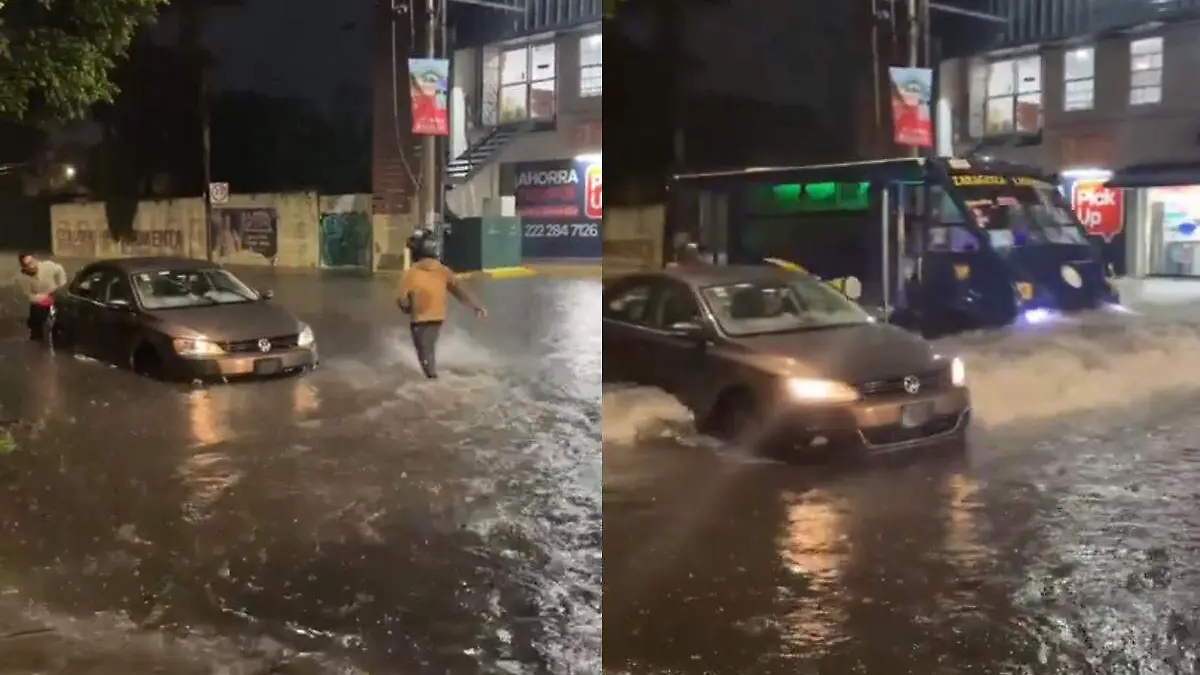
(1100, 209)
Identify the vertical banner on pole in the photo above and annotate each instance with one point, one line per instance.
(912, 124)
(429, 81)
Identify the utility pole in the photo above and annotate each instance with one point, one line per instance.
(914, 59)
(430, 176)
(206, 150)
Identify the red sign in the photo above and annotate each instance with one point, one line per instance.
(912, 125)
(1100, 209)
(593, 195)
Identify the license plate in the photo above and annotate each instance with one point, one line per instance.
(267, 366)
(915, 414)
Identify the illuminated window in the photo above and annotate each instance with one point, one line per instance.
(527, 77)
(1145, 71)
(1079, 79)
(591, 60)
(813, 198)
(1014, 96)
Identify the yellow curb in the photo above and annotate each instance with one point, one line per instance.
(508, 272)
(576, 271)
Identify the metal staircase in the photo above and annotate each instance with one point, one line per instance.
(481, 153)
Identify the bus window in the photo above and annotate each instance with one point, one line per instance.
(1019, 212)
(953, 239)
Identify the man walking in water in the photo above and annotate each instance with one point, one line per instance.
(422, 295)
(39, 279)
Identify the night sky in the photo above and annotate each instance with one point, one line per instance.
(315, 49)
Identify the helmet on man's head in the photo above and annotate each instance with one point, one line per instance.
(423, 244)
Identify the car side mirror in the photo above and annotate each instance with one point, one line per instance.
(120, 304)
(687, 329)
(267, 294)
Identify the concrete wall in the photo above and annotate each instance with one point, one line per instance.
(176, 227)
(1113, 133)
(633, 238)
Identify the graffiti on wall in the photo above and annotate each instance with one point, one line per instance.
(84, 239)
(345, 239)
(236, 231)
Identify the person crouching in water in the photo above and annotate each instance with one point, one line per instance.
(422, 296)
(39, 279)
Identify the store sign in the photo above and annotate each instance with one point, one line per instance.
(1100, 209)
(561, 208)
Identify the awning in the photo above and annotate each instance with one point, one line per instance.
(1160, 174)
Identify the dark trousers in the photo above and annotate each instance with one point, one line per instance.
(37, 322)
(425, 337)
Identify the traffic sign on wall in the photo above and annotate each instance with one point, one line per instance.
(218, 193)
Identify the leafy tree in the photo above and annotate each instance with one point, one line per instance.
(56, 56)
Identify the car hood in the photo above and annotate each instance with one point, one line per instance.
(847, 354)
(228, 323)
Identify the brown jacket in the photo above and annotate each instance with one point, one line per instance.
(423, 290)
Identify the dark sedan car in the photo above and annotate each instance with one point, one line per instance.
(177, 318)
(776, 359)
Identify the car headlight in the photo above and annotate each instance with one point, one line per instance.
(958, 372)
(196, 347)
(823, 391)
(306, 336)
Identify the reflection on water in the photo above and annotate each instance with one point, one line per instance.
(813, 547)
(208, 425)
(343, 512)
(306, 398)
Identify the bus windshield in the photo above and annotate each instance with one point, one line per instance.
(1013, 211)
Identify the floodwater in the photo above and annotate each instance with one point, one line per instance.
(359, 519)
(1066, 540)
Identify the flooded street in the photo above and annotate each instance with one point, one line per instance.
(1065, 541)
(357, 520)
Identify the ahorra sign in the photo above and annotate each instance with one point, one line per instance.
(1100, 209)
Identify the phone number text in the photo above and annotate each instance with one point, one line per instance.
(539, 230)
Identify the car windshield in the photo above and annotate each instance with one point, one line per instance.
(1013, 211)
(173, 289)
(753, 308)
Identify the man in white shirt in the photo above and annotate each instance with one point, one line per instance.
(39, 279)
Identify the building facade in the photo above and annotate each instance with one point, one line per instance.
(525, 121)
(1100, 93)
(526, 129)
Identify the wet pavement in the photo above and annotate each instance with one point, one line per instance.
(1064, 541)
(359, 519)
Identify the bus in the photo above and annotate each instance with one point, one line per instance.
(939, 245)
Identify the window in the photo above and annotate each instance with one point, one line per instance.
(803, 303)
(541, 81)
(676, 305)
(514, 77)
(1145, 71)
(591, 60)
(90, 284)
(527, 77)
(628, 303)
(172, 289)
(1079, 79)
(1014, 96)
(119, 289)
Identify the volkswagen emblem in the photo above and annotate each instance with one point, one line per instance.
(911, 384)
(264, 346)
